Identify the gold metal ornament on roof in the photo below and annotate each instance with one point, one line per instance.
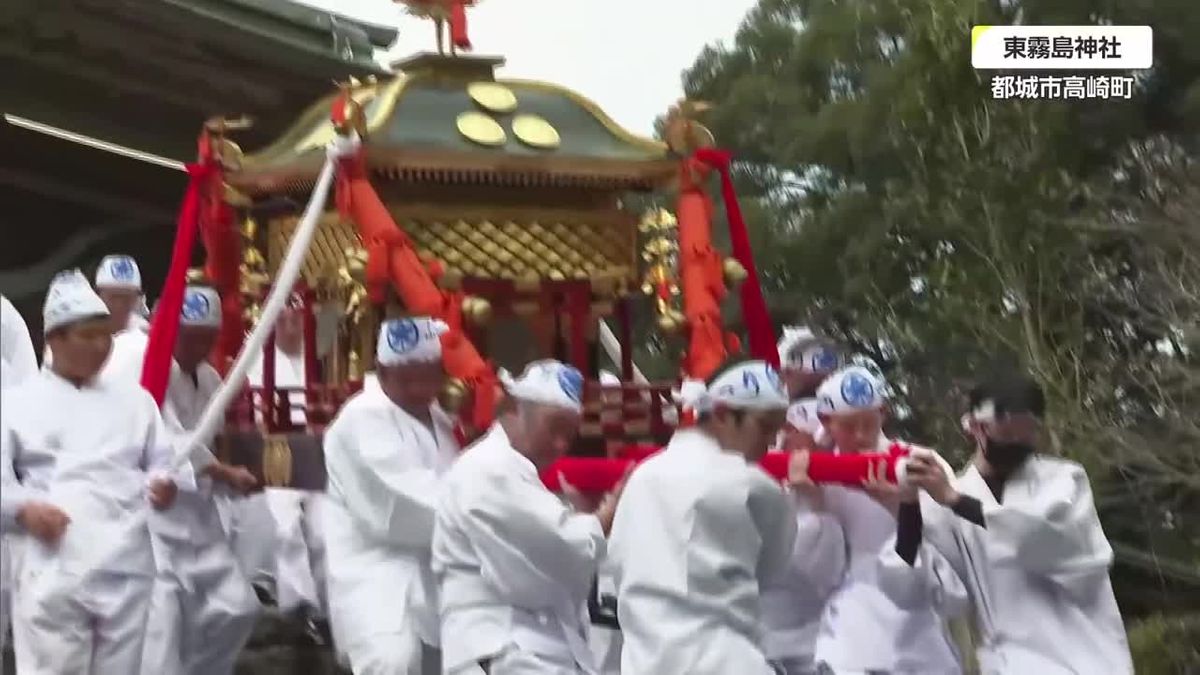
(481, 129)
(535, 131)
(492, 96)
(657, 220)
(661, 253)
(683, 133)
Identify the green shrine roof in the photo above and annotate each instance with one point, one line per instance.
(450, 114)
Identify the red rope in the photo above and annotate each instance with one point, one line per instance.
(164, 327)
(754, 305)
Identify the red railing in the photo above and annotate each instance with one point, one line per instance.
(629, 413)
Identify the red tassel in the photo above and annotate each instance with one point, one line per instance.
(458, 25)
(164, 327)
(754, 306)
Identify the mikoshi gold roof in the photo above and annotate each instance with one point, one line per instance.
(448, 119)
(569, 247)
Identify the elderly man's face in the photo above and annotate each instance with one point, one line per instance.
(549, 430)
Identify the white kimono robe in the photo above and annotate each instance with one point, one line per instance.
(91, 451)
(514, 567)
(1037, 575)
(202, 609)
(863, 628)
(697, 532)
(16, 347)
(605, 641)
(383, 467)
(291, 558)
(793, 604)
(17, 364)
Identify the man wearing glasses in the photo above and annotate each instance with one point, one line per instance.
(1020, 531)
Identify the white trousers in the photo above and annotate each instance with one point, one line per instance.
(89, 624)
(513, 661)
(202, 612)
(6, 582)
(606, 646)
(392, 654)
(251, 529)
(300, 549)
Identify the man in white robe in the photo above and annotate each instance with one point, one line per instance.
(289, 562)
(606, 639)
(83, 461)
(16, 346)
(792, 605)
(863, 630)
(1020, 530)
(202, 609)
(17, 364)
(700, 527)
(514, 565)
(805, 361)
(119, 285)
(385, 453)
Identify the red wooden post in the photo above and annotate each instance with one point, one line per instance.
(268, 383)
(311, 400)
(578, 308)
(626, 338)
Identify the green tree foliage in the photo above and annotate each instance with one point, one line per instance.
(945, 234)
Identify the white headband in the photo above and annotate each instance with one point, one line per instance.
(119, 271)
(412, 340)
(803, 416)
(850, 390)
(801, 350)
(201, 307)
(793, 337)
(70, 298)
(754, 385)
(548, 382)
(819, 359)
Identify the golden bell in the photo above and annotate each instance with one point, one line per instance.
(195, 275)
(477, 310)
(734, 272)
(453, 394)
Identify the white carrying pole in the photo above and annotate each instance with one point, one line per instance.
(612, 347)
(289, 271)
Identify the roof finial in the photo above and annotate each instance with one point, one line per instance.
(442, 12)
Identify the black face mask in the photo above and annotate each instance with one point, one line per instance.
(1005, 455)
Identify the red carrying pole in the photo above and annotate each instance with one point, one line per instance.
(596, 474)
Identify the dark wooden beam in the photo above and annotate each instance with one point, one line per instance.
(129, 209)
(71, 68)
